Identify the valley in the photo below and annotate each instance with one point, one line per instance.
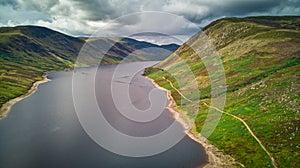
(28, 52)
(259, 57)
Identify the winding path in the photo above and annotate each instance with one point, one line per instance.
(234, 116)
(177, 90)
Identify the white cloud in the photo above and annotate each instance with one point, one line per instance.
(188, 9)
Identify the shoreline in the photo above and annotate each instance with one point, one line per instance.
(6, 107)
(215, 158)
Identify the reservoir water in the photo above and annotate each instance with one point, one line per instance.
(43, 130)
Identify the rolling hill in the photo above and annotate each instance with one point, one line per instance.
(27, 52)
(261, 57)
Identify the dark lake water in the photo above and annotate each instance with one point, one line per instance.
(44, 131)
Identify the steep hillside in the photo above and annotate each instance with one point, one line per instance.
(27, 52)
(261, 57)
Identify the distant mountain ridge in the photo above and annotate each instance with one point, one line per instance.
(26, 52)
(113, 50)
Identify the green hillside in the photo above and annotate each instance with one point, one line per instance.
(261, 57)
(27, 52)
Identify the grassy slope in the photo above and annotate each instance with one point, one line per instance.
(261, 61)
(26, 52)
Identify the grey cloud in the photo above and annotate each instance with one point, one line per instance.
(10, 16)
(8, 2)
(217, 9)
(81, 17)
(244, 7)
(35, 5)
(96, 9)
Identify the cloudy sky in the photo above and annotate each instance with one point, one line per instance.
(176, 18)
